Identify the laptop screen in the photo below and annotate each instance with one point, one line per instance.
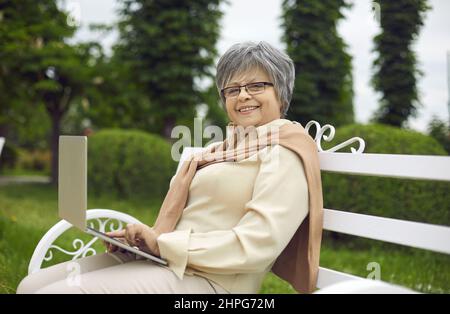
(72, 180)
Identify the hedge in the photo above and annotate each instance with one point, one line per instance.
(129, 163)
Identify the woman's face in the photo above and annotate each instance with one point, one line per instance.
(267, 103)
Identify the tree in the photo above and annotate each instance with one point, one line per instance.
(167, 46)
(15, 111)
(38, 67)
(440, 130)
(113, 100)
(396, 71)
(323, 87)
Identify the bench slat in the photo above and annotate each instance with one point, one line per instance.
(384, 165)
(414, 234)
(388, 165)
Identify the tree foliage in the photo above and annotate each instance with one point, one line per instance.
(166, 46)
(396, 71)
(38, 67)
(323, 87)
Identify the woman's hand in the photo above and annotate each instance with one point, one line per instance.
(139, 235)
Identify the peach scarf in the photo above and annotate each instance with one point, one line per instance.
(299, 262)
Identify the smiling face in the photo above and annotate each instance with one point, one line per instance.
(267, 106)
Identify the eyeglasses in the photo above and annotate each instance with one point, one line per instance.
(251, 88)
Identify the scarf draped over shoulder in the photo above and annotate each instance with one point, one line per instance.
(299, 261)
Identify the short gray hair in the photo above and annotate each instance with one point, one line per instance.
(245, 56)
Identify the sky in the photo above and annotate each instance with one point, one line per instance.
(257, 20)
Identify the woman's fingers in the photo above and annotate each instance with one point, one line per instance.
(134, 233)
(116, 234)
(192, 167)
(130, 233)
(188, 169)
(111, 248)
(187, 164)
(184, 166)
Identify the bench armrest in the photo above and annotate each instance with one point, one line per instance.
(104, 218)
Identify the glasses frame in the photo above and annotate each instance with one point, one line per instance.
(246, 89)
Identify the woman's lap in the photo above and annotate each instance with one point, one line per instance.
(134, 277)
(66, 271)
(104, 273)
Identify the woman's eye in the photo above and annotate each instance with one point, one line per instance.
(233, 91)
(255, 86)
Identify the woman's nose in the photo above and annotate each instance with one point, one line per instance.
(243, 95)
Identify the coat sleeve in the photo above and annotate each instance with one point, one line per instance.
(276, 210)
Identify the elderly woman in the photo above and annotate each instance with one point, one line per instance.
(227, 220)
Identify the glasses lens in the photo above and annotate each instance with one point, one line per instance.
(252, 88)
(231, 92)
(255, 87)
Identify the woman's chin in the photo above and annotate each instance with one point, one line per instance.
(248, 122)
(245, 121)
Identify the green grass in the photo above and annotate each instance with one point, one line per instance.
(28, 211)
(23, 172)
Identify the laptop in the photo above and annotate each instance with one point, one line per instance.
(72, 192)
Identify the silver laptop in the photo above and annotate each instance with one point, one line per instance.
(72, 191)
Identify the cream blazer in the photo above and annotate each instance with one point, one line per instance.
(239, 217)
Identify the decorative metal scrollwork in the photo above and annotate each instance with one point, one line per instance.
(320, 133)
(82, 249)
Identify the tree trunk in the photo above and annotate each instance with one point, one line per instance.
(56, 128)
(3, 130)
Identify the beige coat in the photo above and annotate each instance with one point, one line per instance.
(243, 217)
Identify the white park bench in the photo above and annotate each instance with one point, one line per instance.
(413, 234)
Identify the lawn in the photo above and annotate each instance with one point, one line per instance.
(28, 211)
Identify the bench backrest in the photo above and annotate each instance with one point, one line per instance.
(414, 234)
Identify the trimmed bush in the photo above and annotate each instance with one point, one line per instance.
(129, 164)
(415, 200)
(37, 160)
(440, 131)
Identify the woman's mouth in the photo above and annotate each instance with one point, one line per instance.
(248, 110)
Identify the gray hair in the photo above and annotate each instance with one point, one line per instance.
(245, 56)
